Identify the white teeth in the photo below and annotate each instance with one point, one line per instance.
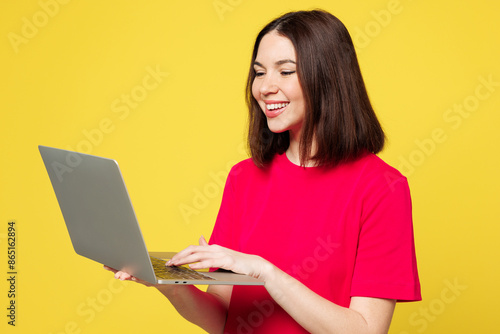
(276, 105)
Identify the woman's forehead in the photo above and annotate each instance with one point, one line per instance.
(274, 47)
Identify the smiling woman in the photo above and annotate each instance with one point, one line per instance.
(276, 86)
(316, 50)
(315, 214)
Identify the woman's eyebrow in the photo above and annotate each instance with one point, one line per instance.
(285, 61)
(278, 63)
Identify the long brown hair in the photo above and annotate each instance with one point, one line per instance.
(339, 115)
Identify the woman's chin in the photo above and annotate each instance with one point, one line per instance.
(276, 128)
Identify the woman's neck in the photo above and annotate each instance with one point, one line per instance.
(293, 151)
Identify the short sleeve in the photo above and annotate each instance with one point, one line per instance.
(385, 265)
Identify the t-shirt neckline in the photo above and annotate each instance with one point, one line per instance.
(285, 163)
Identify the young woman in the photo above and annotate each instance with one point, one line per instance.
(314, 213)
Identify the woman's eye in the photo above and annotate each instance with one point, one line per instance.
(259, 74)
(287, 72)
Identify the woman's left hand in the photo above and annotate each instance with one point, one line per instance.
(215, 256)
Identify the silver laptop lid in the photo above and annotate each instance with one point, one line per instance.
(97, 210)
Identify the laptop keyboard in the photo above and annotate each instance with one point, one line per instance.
(177, 273)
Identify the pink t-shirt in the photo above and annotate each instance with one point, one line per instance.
(343, 232)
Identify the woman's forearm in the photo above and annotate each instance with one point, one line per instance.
(204, 309)
(318, 315)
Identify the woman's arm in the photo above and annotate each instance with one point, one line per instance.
(205, 309)
(318, 315)
(313, 312)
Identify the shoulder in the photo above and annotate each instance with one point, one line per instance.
(372, 164)
(369, 165)
(243, 170)
(243, 167)
(373, 174)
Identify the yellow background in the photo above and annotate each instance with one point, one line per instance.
(66, 67)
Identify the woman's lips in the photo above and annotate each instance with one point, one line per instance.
(275, 108)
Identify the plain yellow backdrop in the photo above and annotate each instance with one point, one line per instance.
(159, 86)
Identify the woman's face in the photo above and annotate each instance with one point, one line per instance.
(276, 85)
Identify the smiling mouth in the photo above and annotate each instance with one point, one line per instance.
(275, 109)
(275, 106)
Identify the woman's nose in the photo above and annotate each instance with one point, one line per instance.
(269, 85)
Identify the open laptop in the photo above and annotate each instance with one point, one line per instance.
(102, 223)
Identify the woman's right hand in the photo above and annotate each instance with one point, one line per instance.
(188, 300)
(123, 276)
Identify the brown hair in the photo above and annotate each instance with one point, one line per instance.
(339, 115)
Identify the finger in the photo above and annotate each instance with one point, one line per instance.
(202, 241)
(127, 277)
(109, 269)
(179, 258)
(208, 256)
(206, 264)
(191, 258)
(123, 276)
